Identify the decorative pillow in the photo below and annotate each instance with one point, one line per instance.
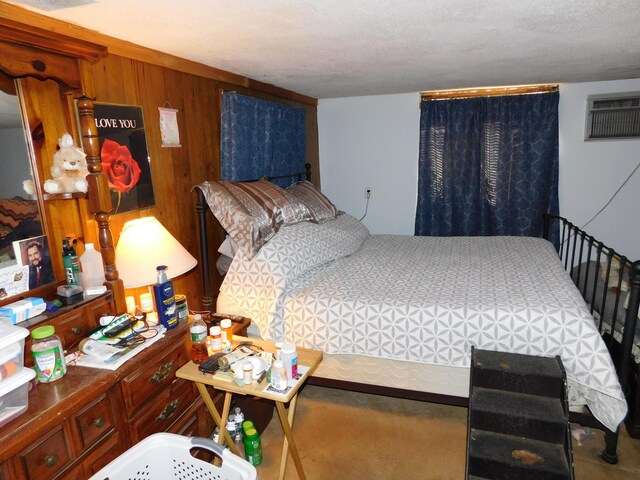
(318, 204)
(264, 198)
(250, 232)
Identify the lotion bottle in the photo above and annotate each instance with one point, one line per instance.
(165, 299)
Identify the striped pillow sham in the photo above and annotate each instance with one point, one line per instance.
(318, 204)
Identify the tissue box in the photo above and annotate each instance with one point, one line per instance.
(23, 310)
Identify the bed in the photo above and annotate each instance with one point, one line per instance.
(399, 314)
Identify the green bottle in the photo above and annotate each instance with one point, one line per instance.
(252, 446)
(70, 261)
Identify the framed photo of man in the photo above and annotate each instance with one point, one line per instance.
(34, 253)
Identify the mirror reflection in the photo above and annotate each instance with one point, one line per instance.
(21, 232)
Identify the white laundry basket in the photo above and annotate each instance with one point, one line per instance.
(166, 456)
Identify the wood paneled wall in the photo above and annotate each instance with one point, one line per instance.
(175, 171)
(134, 75)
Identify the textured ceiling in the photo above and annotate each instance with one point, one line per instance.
(337, 48)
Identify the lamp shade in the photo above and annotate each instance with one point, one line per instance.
(145, 244)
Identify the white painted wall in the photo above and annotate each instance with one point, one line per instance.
(591, 172)
(372, 141)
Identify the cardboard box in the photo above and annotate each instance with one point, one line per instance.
(23, 310)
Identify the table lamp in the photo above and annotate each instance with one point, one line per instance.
(143, 245)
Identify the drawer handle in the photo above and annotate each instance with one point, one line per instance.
(51, 460)
(99, 422)
(163, 372)
(76, 330)
(168, 411)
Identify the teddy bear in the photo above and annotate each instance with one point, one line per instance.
(69, 169)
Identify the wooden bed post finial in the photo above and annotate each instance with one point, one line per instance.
(100, 199)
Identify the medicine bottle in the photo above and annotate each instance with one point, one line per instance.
(289, 357)
(278, 375)
(227, 334)
(198, 332)
(247, 372)
(48, 355)
(215, 341)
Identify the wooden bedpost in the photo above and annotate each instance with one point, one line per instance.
(100, 200)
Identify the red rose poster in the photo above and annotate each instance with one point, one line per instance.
(124, 156)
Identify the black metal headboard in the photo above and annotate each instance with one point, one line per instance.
(201, 211)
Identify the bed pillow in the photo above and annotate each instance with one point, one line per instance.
(249, 231)
(263, 198)
(257, 284)
(318, 204)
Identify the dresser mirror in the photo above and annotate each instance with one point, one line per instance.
(22, 238)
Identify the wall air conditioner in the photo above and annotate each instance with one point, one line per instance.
(613, 116)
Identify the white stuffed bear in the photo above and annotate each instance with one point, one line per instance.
(69, 169)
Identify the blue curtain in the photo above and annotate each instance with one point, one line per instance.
(261, 138)
(487, 165)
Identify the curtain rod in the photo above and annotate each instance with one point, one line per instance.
(487, 91)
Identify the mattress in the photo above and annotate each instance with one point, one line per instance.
(382, 372)
(424, 300)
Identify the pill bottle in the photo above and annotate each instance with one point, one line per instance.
(278, 349)
(289, 358)
(215, 340)
(278, 375)
(227, 334)
(247, 372)
(48, 355)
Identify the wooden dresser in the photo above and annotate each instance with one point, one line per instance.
(75, 426)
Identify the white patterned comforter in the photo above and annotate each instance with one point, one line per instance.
(335, 288)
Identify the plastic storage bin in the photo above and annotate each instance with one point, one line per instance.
(14, 395)
(166, 456)
(11, 350)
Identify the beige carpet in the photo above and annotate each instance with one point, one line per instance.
(347, 435)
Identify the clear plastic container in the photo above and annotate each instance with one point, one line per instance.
(92, 267)
(11, 350)
(14, 395)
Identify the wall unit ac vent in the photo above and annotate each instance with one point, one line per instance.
(613, 116)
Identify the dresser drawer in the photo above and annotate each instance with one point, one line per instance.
(72, 327)
(47, 457)
(102, 456)
(94, 421)
(160, 414)
(146, 383)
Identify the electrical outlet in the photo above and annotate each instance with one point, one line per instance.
(367, 192)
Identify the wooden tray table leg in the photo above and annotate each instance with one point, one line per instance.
(288, 440)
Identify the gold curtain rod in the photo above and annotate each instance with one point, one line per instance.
(487, 91)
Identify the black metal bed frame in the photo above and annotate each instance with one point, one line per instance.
(586, 258)
(576, 246)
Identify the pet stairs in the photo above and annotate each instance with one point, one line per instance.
(518, 425)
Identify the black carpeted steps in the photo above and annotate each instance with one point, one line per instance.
(518, 418)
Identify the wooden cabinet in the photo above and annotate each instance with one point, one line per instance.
(77, 425)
